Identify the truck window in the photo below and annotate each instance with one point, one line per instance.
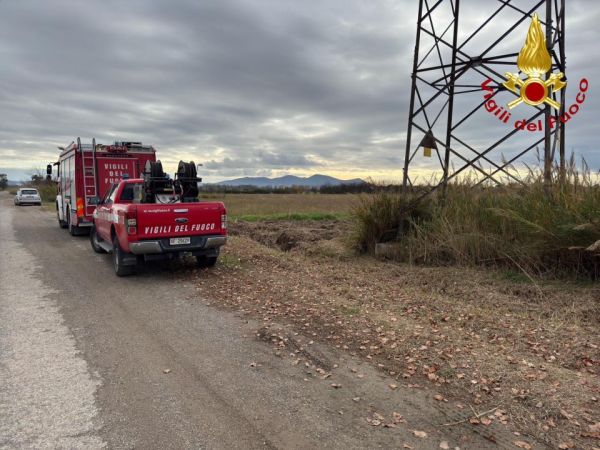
(127, 193)
(132, 192)
(108, 197)
(113, 193)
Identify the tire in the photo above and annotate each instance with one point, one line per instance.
(61, 223)
(118, 254)
(94, 238)
(206, 261)
(73, 229)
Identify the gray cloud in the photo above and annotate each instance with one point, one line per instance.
(247, 87)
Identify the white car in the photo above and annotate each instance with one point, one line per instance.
(28, 196)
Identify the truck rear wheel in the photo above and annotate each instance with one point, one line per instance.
(118, 260)
(94, 239)
(206, 261)
(73, 229)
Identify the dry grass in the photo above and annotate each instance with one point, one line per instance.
(523, 227)
(272, 204)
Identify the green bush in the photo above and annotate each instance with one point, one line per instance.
(378, 217)
(47, 191)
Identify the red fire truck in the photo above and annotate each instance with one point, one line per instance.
(87, 171)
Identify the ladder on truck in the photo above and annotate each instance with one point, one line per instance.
(90, 183)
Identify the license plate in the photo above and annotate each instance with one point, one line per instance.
(180, 241)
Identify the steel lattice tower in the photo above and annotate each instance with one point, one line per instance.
(450, 65)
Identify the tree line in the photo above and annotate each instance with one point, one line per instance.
(358, 188)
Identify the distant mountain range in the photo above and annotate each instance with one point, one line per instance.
(288, 181)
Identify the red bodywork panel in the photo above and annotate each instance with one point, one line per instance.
(157, 220)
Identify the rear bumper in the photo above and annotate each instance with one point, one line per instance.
(199, 244)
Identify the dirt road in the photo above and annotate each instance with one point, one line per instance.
(90, 360)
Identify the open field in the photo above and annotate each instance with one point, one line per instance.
(281, 206)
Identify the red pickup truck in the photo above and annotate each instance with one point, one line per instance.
(135, 224)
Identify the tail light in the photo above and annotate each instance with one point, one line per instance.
(131, 220)
(224, 221)
(80, 212)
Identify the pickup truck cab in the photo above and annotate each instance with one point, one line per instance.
(135, 232)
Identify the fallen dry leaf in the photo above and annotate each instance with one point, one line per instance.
(419, 434)
(565, 414)
(593, 435)
(523, 444)
(438, 397)
(566, 445)
(379, 417)
(167, 371)
(397, 418)
(393, 386)
(444, 445)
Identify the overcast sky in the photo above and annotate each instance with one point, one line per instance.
(247, 87)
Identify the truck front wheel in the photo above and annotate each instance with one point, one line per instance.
(61, 223)
(118, 260)
(94, 239)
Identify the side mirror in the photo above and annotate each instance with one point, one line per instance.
(94, 201)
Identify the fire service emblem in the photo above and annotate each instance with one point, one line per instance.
(534, 60)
